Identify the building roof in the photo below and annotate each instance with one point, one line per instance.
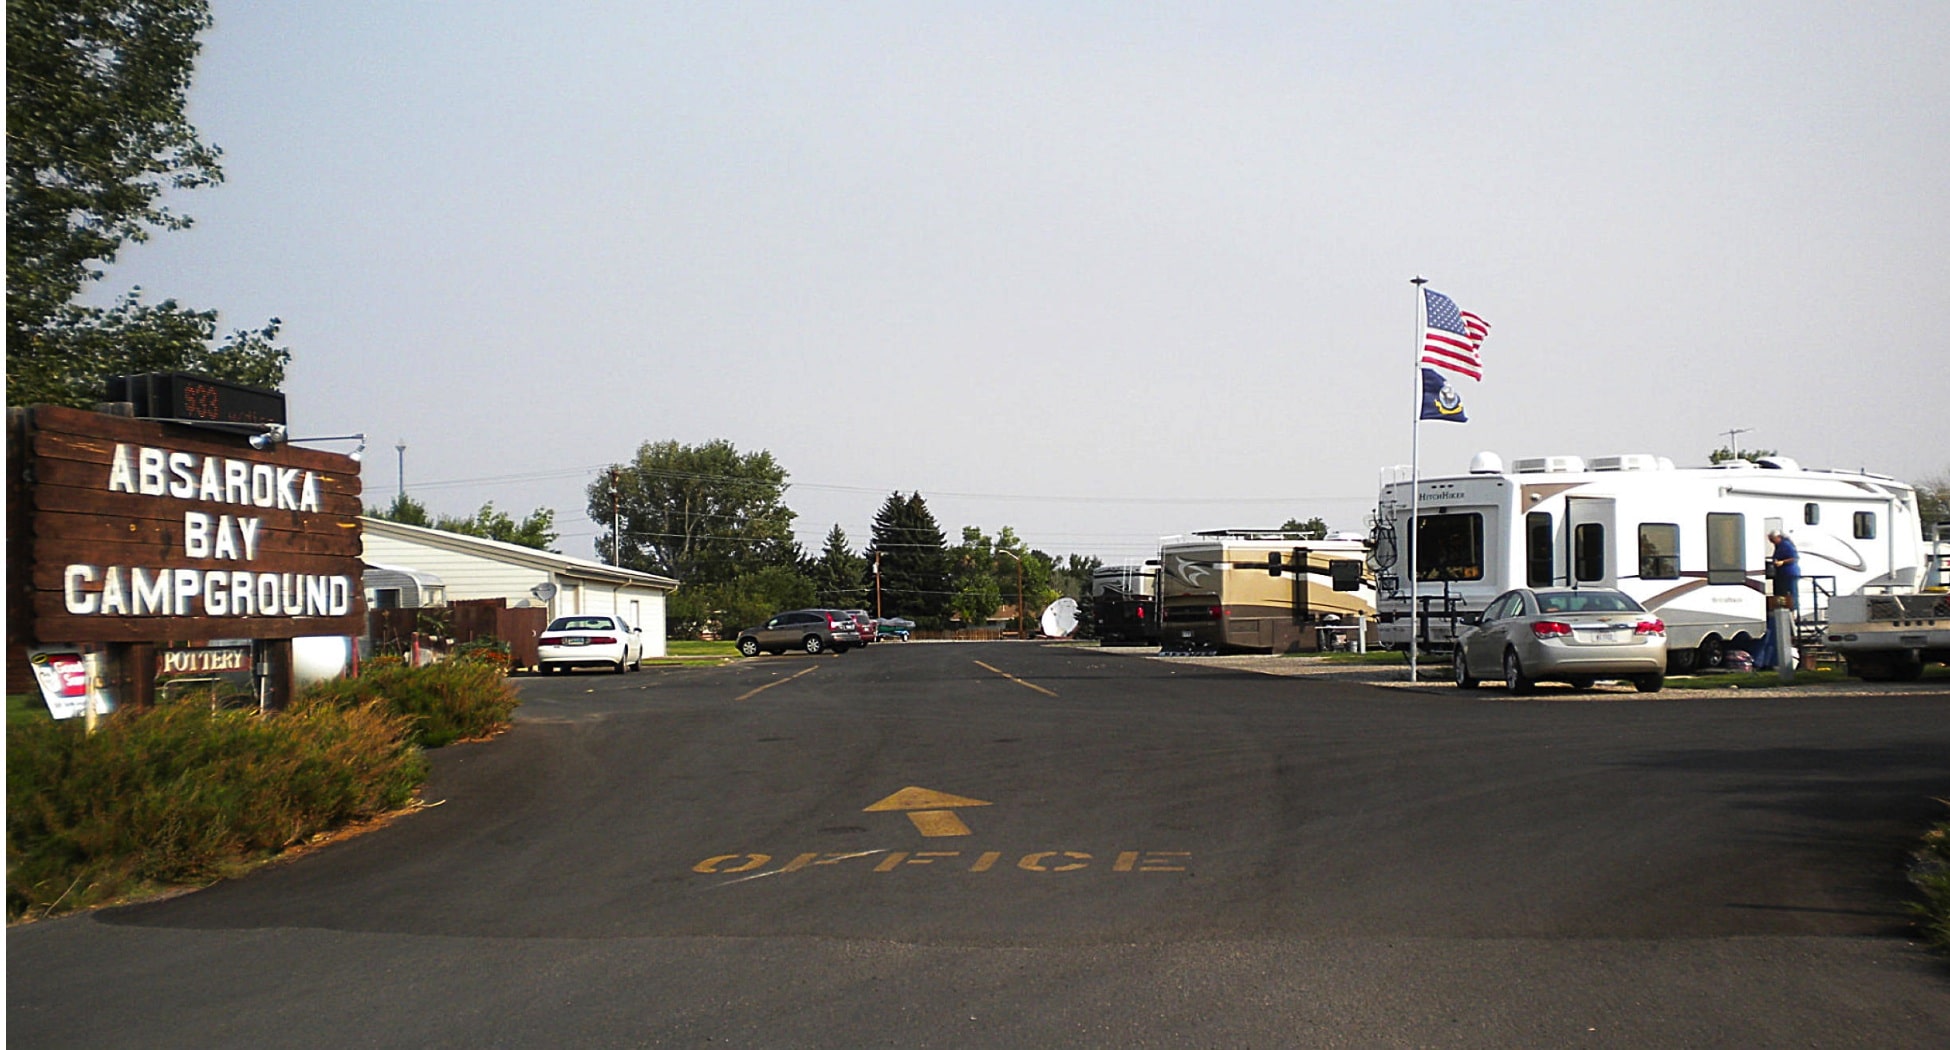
(516, 554)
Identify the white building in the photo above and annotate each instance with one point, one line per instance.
(468, 567)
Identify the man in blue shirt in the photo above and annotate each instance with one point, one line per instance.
(1787, 566)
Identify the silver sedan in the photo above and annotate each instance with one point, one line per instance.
(1574, 635)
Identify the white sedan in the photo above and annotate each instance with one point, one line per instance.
(590, 641)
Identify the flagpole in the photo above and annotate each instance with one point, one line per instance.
(1415, 488)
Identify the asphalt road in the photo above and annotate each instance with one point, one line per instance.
(1013, 845)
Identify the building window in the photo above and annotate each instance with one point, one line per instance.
(1659, 551)
(1865, 524)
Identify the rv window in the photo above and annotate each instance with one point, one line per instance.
(1658, 551)
(1588, 551)
(1726, 548)
(1865, 524)
(1539, 571)
(1811, 514)
(1449, 547)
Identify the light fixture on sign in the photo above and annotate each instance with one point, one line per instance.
(275, 435)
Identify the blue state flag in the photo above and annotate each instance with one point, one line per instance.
(1439, 399)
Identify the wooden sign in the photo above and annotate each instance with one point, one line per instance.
(150, 532)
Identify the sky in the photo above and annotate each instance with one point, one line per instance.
(1102, 272)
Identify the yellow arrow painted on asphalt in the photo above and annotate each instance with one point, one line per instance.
(933, 812)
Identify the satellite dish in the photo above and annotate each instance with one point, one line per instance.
(543, 591)
(1060, 618)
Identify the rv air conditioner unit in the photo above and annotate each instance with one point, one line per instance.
(1631, 461)
(1548, 465)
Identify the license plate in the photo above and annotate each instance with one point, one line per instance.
(575, 641)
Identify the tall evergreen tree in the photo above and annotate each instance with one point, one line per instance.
(915, 572)
(837, 573)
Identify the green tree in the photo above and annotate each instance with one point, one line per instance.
(1725, 454)
(97, 134)
(537, 530)
(996, 558)
(723, 609)
(915, 571)
(1072, 578)
(837, 574)
(1933, 501)
(404, 509)
(976, 597)
(698, 513)
(1313, 528)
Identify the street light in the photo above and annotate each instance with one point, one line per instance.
(1019, 628)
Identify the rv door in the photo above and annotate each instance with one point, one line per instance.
(1590, 528)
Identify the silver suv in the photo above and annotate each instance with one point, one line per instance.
(806, 630)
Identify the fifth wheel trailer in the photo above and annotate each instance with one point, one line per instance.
(1690, 544)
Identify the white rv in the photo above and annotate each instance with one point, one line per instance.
(1689, 543)
(1216, 589)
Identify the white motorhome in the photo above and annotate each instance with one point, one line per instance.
(1216, 590)
(1689, 543)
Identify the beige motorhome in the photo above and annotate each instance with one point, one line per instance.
(1215, 590)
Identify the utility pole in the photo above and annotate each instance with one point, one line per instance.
(1733, 439)
(615, 521)
(877, 613)
(402, 466)
(1020, 633)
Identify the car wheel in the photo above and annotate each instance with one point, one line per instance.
(1513, 677)
(1464, 680)
(1649, 683)
(748, 646)
(621, 666)
(1582, 681)
(1712, 653)
(814, 644)
(1681, 661)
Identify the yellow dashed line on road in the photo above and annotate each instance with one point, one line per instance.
(1013, 678)
(769, 685)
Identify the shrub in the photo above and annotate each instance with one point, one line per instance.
(454, 700)
(1930, 873)
(487, 650)
(181, 794)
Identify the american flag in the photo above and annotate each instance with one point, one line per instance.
(1453, 339)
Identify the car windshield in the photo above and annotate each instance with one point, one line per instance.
(582, 623)
(1586, 601)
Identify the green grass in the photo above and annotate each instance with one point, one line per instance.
(1373, 657)
(686, 648)
(1754, 679)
